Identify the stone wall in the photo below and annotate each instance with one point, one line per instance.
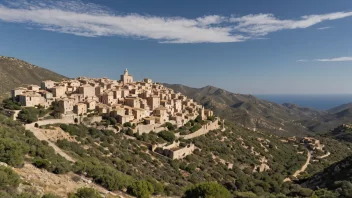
(65, 120)
(183, 152)
(140, 129)
(204, 130)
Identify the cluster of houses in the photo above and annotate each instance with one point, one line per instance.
(142, 102)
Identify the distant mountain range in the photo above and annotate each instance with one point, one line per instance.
(15, 72)
(253, 113)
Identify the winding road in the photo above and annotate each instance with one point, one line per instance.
(305, 165)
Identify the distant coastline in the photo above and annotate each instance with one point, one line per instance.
(318, 101)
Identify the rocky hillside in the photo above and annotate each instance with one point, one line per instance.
(336, 177)
(251, 112)
(15, 72)
(342, 133)
(333, 118)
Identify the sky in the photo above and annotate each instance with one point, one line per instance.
(244, 46)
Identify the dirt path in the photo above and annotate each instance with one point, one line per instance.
(39, 135)
(302, 169)
(324, 156)
(305, 165)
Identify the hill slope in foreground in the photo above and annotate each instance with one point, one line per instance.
(15, 72)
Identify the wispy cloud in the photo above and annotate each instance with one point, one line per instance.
(340, 59)
(302, 60)
(91, 20)
(324, 28)
(263, 24)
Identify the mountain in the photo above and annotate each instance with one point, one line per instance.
(340, 108)
(336, 177)
(342, 133)
(251, 112)
(15, 72)
(333, 118)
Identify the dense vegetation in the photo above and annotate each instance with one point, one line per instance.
(16, 142)
(231, 158)
(336, 178)
(131, 161)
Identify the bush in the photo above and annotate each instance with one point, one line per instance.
(41, 163)
(86, 193)
(127, 124)
(167, 135)
(207, 189)
(28, 115)
(50, 195)
(10, 104)
(141, 189)
(8, 178)
(11, 152)
(169, 126)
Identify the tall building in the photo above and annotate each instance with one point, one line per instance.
(126, 78)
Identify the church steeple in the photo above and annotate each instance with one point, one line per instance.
(126, 72)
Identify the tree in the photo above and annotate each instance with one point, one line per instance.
(10, 104)
(11, 152)
(199, 119)
(141, 189)
(50, 195)
(86, 193)
(167, 135)
(207, 190)
(324, 193)
(127, 124)
(8, 178)
(28, 115)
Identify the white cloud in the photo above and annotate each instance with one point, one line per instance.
(91, 20)
(324, 28)
(302, 60)
(340, 59)
(263, 24)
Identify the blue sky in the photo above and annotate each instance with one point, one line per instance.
(256, 47)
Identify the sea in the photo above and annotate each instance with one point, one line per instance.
(320, 102)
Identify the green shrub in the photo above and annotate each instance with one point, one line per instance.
(86, 193)
(50, 195)
(28, 115)
(167, 135)
(207, 190)
(10, 104)
(141, 189)
(8, 178)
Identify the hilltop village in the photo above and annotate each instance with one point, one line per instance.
(146, 105)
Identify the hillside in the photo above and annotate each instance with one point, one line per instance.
(342, 133)
(336, 177)
(333, 118)
(15, 72)
(251, 112)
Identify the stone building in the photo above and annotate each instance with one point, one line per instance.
(65, 106)
(80, 108)
(47, 84)
(126, 78)
(87, 90)
(31, 99)
(58, 91)
(174, 150)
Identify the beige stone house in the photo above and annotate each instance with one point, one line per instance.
(80, 108)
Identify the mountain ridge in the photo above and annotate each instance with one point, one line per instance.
(15, 72)
(249, 110)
